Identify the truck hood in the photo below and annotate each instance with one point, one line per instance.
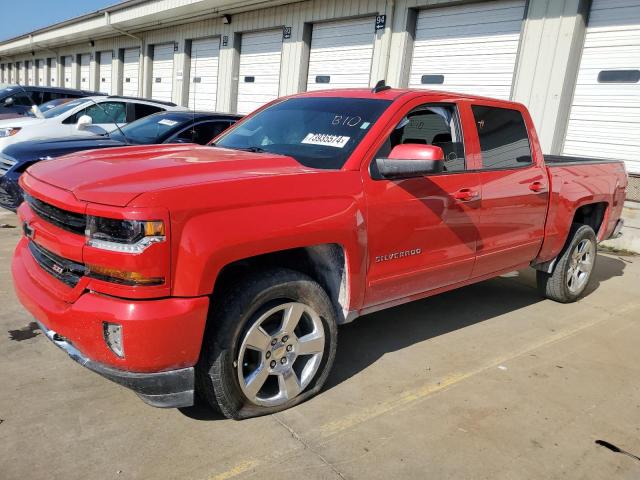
(116, 176)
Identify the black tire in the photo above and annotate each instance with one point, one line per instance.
(234, 311)
(554, 286)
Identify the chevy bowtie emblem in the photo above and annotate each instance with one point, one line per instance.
(28, 230)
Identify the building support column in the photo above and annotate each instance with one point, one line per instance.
(548, 63)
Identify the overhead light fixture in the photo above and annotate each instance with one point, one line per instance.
(226, 19)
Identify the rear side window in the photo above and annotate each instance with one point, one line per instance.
(142, 110)
(503, 137)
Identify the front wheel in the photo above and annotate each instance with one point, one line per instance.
(574, 267)
(270, 345)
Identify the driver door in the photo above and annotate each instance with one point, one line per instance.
(422, 232)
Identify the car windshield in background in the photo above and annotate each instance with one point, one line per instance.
(319, 132)
(151, 129)
(65, 107)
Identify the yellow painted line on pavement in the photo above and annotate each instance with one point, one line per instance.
(411, 396)
(239, 469)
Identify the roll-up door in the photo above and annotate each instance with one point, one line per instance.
(341, 54)
(468, 48)
(2, 73)
(20, 75)
(162, 72)
(53, 72)
(203, 73)
(67, 77)
(605, 113)
(40, 72)
(105, 73)
(85, 71)
(259, 80)
(131, 72)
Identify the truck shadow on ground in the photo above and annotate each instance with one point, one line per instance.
(363, 342)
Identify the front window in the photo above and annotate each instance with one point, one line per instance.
(64, 108)
(318, 132)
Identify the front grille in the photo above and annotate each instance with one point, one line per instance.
(6, 163)
(70, 221)
(64, 270)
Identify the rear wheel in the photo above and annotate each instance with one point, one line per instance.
(269, 346)
(573, 269)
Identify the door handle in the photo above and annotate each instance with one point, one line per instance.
(537, 187)
(466, 195)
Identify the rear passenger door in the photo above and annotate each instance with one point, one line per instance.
(515, 191)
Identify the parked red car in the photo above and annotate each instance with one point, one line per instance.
(226, 268)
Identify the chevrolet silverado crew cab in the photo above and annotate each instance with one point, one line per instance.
(224, 270)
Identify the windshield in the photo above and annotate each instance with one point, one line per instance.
(65, 107)
(151, 129)
(318, 132)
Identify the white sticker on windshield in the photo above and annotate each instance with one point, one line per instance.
(167, 122)
(326, 140)
(365, 125)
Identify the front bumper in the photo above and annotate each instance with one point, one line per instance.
(172, 389)
(161, 338)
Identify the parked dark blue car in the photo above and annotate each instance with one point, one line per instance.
(165, 127)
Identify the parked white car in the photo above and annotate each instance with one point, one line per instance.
(86, 116)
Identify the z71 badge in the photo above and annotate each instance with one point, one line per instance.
(397, 255)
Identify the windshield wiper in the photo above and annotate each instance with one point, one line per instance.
(248, 149)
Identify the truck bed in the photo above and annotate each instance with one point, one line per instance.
(563, 160)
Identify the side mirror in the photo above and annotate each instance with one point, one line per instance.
(411, 160)
(8, 101)
(83, 122)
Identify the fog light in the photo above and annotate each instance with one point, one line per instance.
(113, 337)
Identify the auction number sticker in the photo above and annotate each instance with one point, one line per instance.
(326, 140)
(167, 122)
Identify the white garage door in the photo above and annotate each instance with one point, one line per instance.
(28, 66)
(85, 71)
(605, 115)
(53, 72)
(40, 72)
(468, 48)
(341, 54)
(105, 73)
(162, 75)
(203, 72)
(259, 80)
(131, 72)
(67, 73)
(20, 70)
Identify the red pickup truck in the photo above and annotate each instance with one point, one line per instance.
(226, 269)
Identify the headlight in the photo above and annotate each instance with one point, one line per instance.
(125, 236)
(9, 131)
